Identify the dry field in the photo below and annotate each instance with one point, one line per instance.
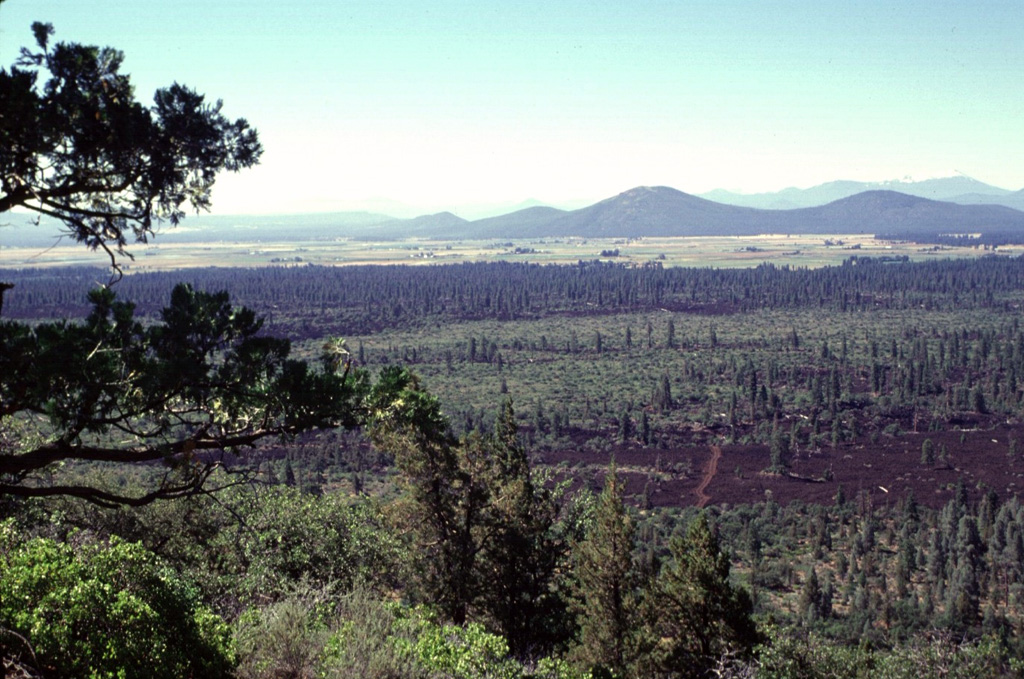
(722, 252)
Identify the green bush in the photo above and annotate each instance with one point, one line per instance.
(467, 652)
(317, 540)
(104, 610)
(283, 639)
(373, 639)
(810, 657)
(316, 633)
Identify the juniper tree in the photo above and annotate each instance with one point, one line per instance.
(519, 554)
(694, 614)
(606, 584)
(180, 392)
(444, 491)
(77, 147)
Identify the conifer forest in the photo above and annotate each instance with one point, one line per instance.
(549, 471)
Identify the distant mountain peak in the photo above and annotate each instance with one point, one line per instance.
(955, 187)
(917, 178)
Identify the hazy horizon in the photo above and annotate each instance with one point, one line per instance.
(478, 107)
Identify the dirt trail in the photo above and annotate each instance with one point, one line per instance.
(709, 473)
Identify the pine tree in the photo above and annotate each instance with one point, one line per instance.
(606, 584)
(695, 614)
(809, 603)
(663, 394)
(778, 451)
(626, 429)
(518, 559)
(927, 453)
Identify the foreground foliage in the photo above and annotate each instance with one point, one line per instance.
(183, 392)
(76, 146)
(104, 610)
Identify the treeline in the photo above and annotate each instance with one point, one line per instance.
(357, 299)
(991, 239)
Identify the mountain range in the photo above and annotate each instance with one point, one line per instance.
(663, 211)
(642, 211)
(954, 189)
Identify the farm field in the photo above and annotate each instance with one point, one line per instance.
(729, 252)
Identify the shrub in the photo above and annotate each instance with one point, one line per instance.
(105, 610)
(283, 639)
(321, 541)
(467, 652)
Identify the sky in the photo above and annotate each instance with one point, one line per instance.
(405, 106)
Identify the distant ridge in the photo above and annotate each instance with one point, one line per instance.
(652, 211)
(956, 189)
(662, 211)
(901, 214)
(528, 220)
(642, 211)
(1013, 200)
(424, 226)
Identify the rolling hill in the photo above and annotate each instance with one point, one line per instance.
(662, 211)
(642, 211)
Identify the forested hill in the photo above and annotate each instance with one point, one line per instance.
(310, 299)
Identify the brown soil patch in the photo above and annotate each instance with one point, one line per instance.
(881, 471)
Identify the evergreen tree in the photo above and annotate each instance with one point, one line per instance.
(695, 614)
(481, 527)
(518, 559)
(978, 403)
(445, 495)
(606, 585)
(809, 604)
(778, 450)
(662, 400)
(963, 597)
(626, 428)
(927, 453)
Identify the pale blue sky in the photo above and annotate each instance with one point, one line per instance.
(452, 105)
